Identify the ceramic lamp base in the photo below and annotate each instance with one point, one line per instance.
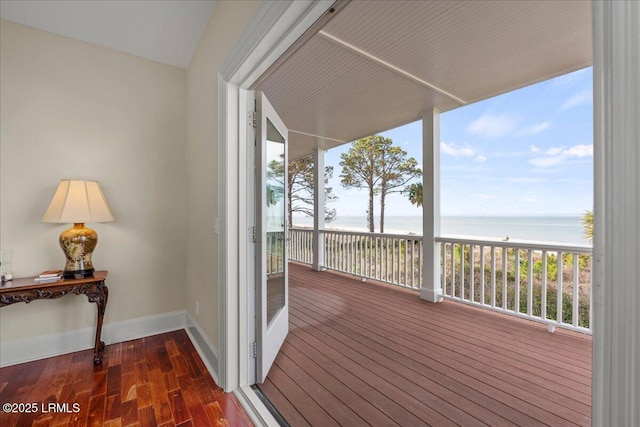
(78, 244)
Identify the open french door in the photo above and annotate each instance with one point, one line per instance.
(272, 293)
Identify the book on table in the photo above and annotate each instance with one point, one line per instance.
(51, 273)
(49, 276)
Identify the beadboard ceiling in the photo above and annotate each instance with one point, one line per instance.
(381, 64)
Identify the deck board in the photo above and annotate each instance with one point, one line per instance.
(367, 353)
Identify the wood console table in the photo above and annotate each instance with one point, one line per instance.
(26, 290)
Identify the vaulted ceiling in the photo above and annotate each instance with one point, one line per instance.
(166, 31)
(380, 64)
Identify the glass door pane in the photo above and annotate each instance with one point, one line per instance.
(275, 222)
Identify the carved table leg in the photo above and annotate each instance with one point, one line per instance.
(100, 297)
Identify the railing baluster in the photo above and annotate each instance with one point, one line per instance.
(472, 291)
(412, 263)
(343, 252)
(393, 260)
(453, 270)
(462, 246)
(444, 267)
(360, 261)
(530, 282)
(406, 268)
(420, 262)
(380, 249)
(389, 256)
(382, 258)
(505, 276)
(350, 255)
(368, 257)
(543, 298)
(396, 264)
(576, 289)
(376, 263)
(386, 256)
(329, 251)
(559, 317)
(482, 278)
(516, 305)
(396, 242)
(493, 275)
(338, 249)
(345, 249)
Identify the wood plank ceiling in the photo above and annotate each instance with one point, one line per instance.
(380, 64)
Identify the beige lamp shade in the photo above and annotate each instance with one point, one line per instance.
(78, 202)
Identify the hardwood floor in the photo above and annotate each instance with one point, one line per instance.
(370, 354)
(153, 381)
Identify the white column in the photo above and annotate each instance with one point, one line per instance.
(431, 289)
(318, 209)
(616, 276)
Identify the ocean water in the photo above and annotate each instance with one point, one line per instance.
(554, 229)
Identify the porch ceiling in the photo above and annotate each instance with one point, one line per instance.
(381, 64)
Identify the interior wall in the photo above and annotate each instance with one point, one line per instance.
(228, 22)
(70, 109)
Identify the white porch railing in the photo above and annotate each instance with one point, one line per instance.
(389, 258)
(544, 282)
(550, 283)
(274, 262)
(301, 245)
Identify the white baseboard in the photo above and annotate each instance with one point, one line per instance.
(29, 349)
(207, 351)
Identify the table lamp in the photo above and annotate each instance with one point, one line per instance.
(78, 202)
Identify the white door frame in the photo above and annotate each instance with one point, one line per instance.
(274, 28)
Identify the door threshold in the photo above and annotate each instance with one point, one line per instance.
(259, 413)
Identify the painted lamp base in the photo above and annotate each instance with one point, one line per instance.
(78, 244)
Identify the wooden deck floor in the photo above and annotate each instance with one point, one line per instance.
(369, 354)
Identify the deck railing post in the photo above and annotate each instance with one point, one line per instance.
(318, 209)
(431, 285)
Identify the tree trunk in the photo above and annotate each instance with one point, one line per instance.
(290, 207)
(382, 197)
(370, 219)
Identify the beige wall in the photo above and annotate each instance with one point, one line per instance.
(229, 20)
(148, 132)
(70, 109)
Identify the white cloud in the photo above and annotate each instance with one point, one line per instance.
(536, 129)
(580, 98)
(528, 199)
(558, 155)
(524, 180)
(452, 150)
(553, 151)
(480, 158)
(492, 126)
(580, 150)
(545, 162)
(483, 196)
(534, 149)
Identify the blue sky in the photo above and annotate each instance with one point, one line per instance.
(527, 152)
